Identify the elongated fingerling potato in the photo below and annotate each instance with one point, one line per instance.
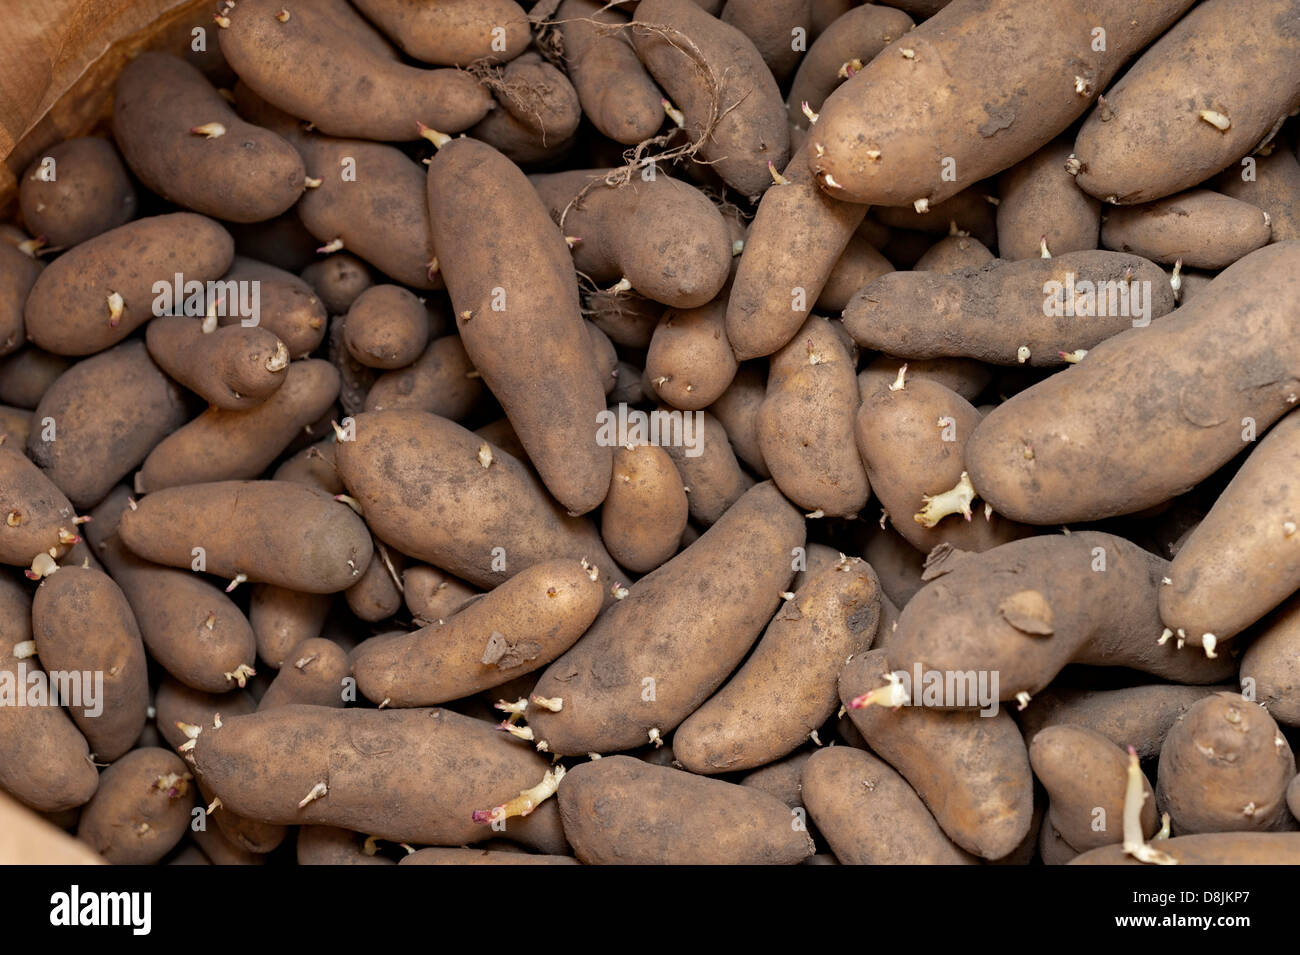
(141, 810)
(231, 367)
(1200, 228)
(452, 32)
(621, 810)
(75, 190)
(616, 92)
(181, 138)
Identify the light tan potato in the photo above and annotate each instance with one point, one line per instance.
(954, 253)
(690, 362)
(283, 618)
(314, 466)
(710, 473)
(141, 810)
(1040, 202)
(858, 264)
(441, 381)
(1203, 229)
(972, 211)
(781, 779)
(29, 839)
(376, 596)
(645, 511)
(387, 327)
(313, 673)
(431, 595)
(452, 32)
(774, 28)
(1270, 667)
(737, 410)
(1271, 183)
(616, 92)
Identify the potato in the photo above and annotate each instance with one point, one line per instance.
(1224, 767)
(870, 815)
(911, 440)
(15, 425)
(271, 532)
(1273, 185)
(888, 140)
(1293, 797)
(1086, 776)
(75, 190)
(355, 379)
(710, 473)
(522, 327)
(715, 75)
(431, 595)
(1203, 229)
(447, 856)
(788, 687)
(141, 810)
(859, 264)
(356, 90)
(805, 424)
(181, 138)
(664, 236)
(329, 845)
(27, 374)
(82, 624)
(1245, 536)
(1270, 667)
(781, 778)
(337, 280)
(628, 319)
(1216, 848)
(18, 274)
(376, 595)
(288, 307)
(898, 565)
(620, 810)
(966, 376)
(314, 466)
(1059, 452)
(778, 30)
(232, 368)
(1035, 311)
(954, 253)
(645, 511)
(37, 517)
(737, 410)
(417, 775)
(1137, 716)
(220, 849)
(1200, 98)
(313, 673)
(1041, 203)
(616, 92)
(972, 210)
(29, 839)
(519, 627)
(794, 243)
(282, 618)
(536, 114)
(455, 33)
(249, 440)
(424, 489)
(190, 628)
(858, 33)
(658, 653)
(1025, 609)
(387, 327)
(44, 760)
(971, 771)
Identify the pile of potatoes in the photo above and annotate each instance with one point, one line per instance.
(979, 325)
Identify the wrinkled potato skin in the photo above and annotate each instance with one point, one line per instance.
(91, 192)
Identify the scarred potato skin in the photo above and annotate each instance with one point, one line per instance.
(89, 194)
(387, 327)
(81, 622)
(68, 309)
(142, 808)
(160, 101)
(859, 33)
(108, 412)
(796, 239)
(616, 92)
(356, 90)
(621, 810)
(538, 614)
(1213, 848)
(415, 775)
(1176, 396)
(232, 367)
(972, 771)
(685, 626)
(422, 485)
(870, 815)
(37, 517)
(1040, 201)
(991, 313)
(664, 236)
(805, 424)
(441, 381)
(1247, 535)
(787, 688)
(524, 327)
(751, 134)
(1082, 772)
(273, 531)
(452, 32)
(1224, 767)
(44, 760)
(224, 445)
(1204, 229)
(942, 103)
(1149, 139)
(646, 509)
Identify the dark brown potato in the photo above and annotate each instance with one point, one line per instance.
(386, 327)
(616, 92)
(536, 112)
(329, 845)
(27, 374)
(74, 191)
(231, 367)
(142, 808)
(281, 619)
(313, 673)
(38, 519)
(337, 280)
(18, 273)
